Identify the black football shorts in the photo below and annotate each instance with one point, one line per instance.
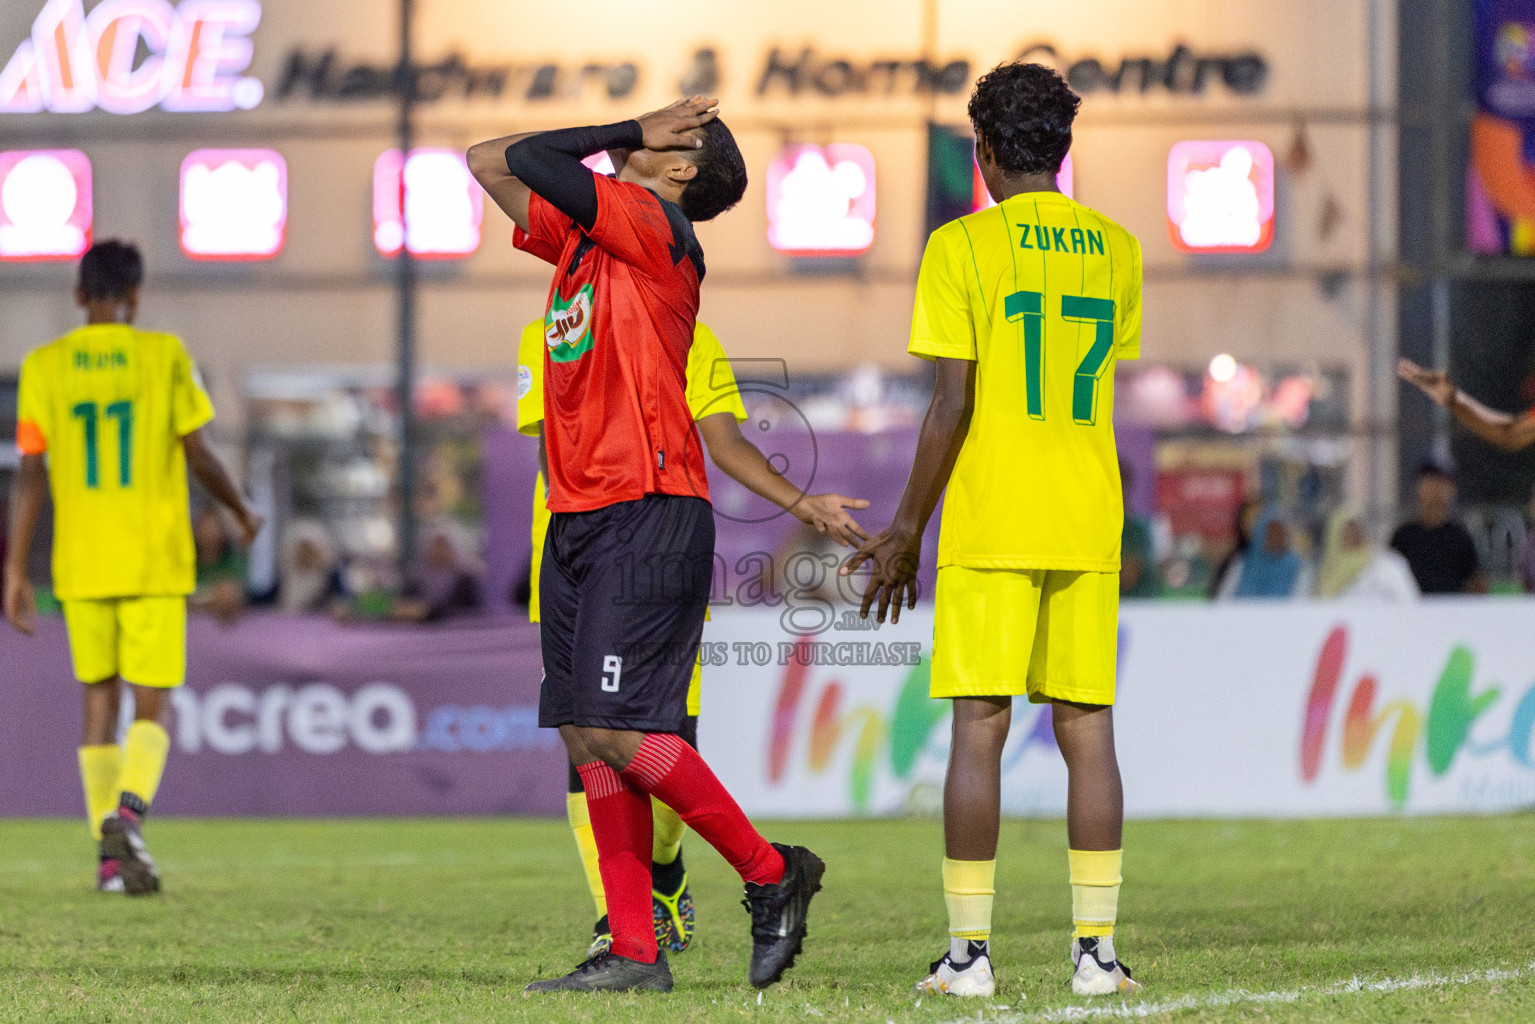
(622, 595)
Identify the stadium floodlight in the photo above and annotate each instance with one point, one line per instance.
(45, 204)
(820, 200)
(435, 195)
(1220, 196)
(234, 204)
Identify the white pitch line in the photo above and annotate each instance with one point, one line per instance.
(1237, 997)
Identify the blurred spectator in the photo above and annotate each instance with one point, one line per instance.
(1270, 567)
(1247, 516)
(442, 585)
(221, 566)
(1355, 569)
(793, 572)
(1439, 550)
(309, 579)
(1139, 575)
(1527, 552)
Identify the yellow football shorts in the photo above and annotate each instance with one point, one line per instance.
(1048, 633)
(141, 639)
(695, 685)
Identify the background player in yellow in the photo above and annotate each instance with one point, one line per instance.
(717, 409)
(110, 420)
(1026, 307)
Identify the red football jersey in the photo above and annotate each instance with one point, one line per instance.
(617, 331)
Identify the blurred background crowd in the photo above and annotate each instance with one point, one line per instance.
(1318, 187)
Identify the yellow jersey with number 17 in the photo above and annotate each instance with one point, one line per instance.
(1044, 294)
(109, 405)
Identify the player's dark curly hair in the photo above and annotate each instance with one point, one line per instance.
(1023, 112)
(110, 269)
(721, 179)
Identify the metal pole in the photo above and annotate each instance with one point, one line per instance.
(1443, 110)
(405, 304)
(1380, 407)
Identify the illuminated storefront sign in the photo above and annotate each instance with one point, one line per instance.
(1220, 196)
(601, 163)
(1183, 71)
(440, 201)
(127, 56)
(326, 73)
(1065, 180)
(45, 204)
(820, 200)
(234, 204)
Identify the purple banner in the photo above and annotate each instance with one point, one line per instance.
(751, 534)
(306, 716)
(511, 467)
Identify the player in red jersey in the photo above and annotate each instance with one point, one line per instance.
(630, 549)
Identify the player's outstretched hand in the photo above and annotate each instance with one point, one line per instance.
(828, 514)
(894, 556)
(1433, 383)
(20, 605)
(671, 127)
(250, 525)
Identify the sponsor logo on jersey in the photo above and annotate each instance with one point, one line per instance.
(568, 326)
(524, 382)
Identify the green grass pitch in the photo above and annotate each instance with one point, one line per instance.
(446, 920)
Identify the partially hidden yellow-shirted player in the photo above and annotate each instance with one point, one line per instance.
(718, 411)
(1025, 307)
(110, 419)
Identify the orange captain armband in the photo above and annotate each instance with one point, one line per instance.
(30, 439)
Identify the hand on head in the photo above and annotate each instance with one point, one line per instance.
(672, 126)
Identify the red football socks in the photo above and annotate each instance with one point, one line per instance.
(621, 824)
(672, 772)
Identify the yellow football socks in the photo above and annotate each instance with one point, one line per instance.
(144, 752)
(100, 767)
(581, 825)
(668, 830)
(1095, 882)
(968, 888)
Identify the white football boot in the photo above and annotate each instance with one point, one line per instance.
(1098, 973)
(973, 977)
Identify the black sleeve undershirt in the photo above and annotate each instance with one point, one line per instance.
(549, 163)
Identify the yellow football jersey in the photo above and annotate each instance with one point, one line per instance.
(110, 405)
(711, 388)
(1045, 295)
